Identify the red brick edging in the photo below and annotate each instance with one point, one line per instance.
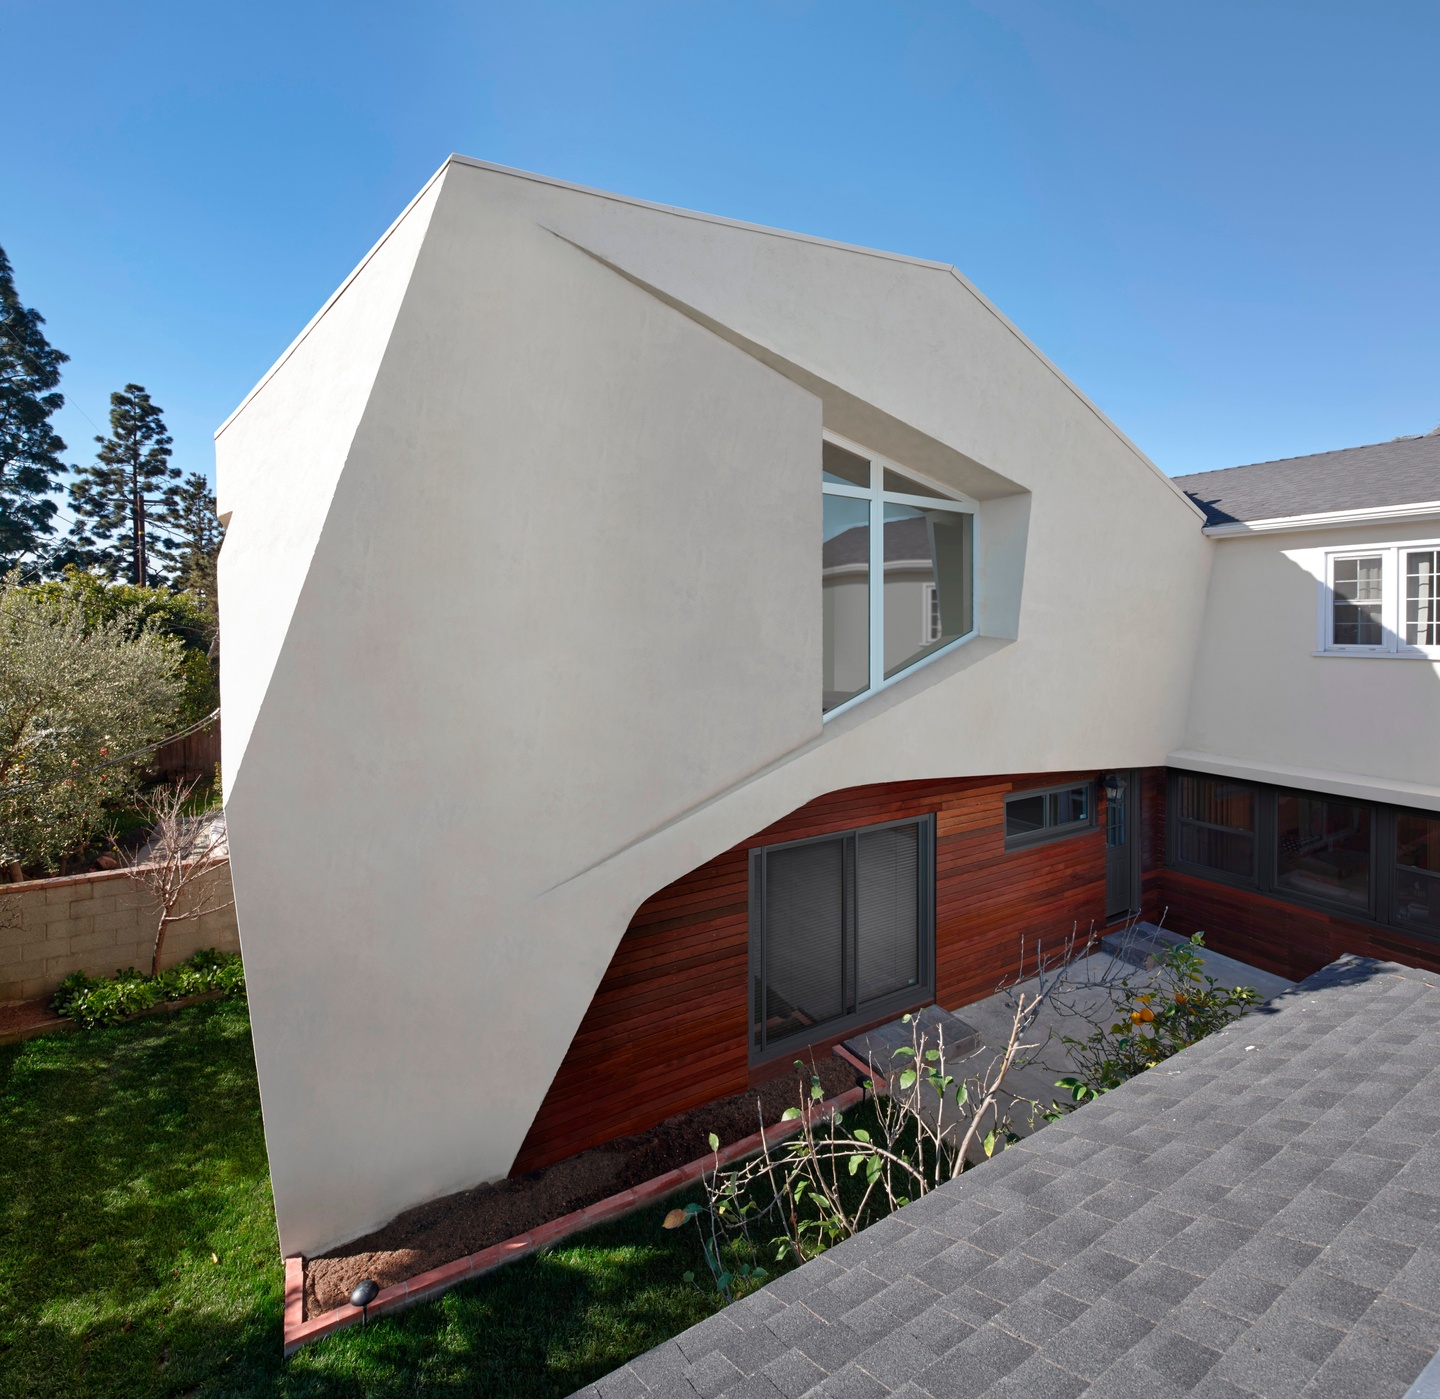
(424, 1286)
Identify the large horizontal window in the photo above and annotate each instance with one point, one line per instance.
(1365, 860)
(897, 572)
(1049, 814)
(841, 931)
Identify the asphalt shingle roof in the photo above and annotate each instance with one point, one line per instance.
(1404, 472)
(1259, 1215)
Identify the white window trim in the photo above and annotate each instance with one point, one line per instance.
(1392, 593)
(878, 497)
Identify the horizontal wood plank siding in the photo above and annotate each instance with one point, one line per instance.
(1284, 938)
(667, 1029)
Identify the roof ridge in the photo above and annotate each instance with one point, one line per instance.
(1305, 456)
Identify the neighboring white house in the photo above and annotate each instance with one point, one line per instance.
(548, 604)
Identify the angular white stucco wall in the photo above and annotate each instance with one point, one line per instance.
(557, 639)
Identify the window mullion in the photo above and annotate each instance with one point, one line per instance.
(877, 580)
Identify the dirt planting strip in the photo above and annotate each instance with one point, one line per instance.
(307, 1317)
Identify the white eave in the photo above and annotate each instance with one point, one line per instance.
(1329, 519)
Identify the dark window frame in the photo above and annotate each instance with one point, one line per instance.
(855, 1015)
(1381, 911)
(1047, 834)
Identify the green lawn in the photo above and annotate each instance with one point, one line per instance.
(132, 1159)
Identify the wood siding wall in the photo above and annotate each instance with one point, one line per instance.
(667, 1029)
(1281, 937)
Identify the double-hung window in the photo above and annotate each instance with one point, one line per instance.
(897, 572)
(1381, 601)
(841, 932)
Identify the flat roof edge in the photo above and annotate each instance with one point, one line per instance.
(1390, 790)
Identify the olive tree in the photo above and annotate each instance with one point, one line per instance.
(77, 700)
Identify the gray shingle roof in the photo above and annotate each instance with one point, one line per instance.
(1387, 473)
(1260, 1215)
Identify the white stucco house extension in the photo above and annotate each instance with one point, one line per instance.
(655, 644)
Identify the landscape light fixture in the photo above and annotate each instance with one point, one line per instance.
(365, 1292)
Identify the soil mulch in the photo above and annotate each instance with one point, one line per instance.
(20, 1020)
(461, 1224)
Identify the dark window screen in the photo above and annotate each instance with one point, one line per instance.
(887, 911)
(843, 928)
(804, 937)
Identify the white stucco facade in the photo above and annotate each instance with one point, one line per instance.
(1270, 704)
(523, 621)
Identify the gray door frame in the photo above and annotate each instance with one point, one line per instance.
(1122, 859)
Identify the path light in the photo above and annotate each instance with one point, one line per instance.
(365, 1292)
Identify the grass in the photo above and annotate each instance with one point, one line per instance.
(138, 1253)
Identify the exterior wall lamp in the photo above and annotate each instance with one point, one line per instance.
(1112, 785)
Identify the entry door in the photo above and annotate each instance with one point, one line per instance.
(1122, 848)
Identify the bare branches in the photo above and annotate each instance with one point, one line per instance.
(184, 849)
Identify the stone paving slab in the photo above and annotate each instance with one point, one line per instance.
(1257, 1216)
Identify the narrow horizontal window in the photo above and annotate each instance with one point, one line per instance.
(1031, 817)
(1215, 825)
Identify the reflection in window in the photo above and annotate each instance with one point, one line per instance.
(1422, 614)
(1358, 601)
(927, 579)
(1417, 870)
(888, 529)
(1215, 825)
(845, 577)
(1323, 849)
(842, 468)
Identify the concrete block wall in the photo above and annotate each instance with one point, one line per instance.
(99, 924)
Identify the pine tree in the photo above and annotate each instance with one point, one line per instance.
(30, 465)
(197, 536)
(122, 504)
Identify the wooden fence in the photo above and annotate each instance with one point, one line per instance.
(193, 756)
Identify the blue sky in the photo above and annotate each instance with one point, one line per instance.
(1221, 220)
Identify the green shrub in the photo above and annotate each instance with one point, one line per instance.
(105, 1000)
(1155, 1016)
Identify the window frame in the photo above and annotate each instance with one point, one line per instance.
(883, 1007)
(1173, 823)
(878, 497)
(1394, 559)
(1048, 834)
(1382, 908)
